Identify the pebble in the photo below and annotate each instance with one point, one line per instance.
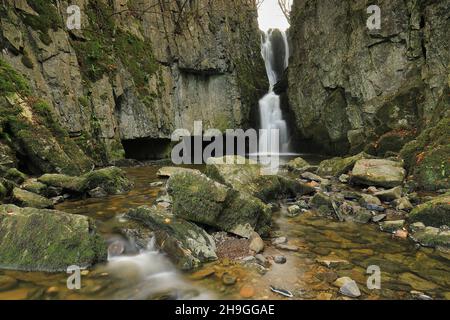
(247, 291)
(348, 287)
(156, 184)
(279, 259)
(344, 178)
(402, 234)
(379, 217)
(279, 240)
(248, 259)
(261, 259)
(228, 279)
(287, 247)
(374, 207)
(256, 243)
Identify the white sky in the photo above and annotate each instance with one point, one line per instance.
(271, 16)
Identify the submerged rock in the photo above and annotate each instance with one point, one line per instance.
(47, 240)
(167, 172)
(256, 243)
(25, 198)
(391, 226)
(378, 172)
(348, 287)
(432, 237)
(184, 242)
(200, 199)
(433, 213)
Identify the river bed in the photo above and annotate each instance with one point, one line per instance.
(150, 275)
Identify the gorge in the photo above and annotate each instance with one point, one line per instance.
(86, 118)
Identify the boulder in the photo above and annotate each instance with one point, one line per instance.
(432, 237)
(25, 198)
(298, 164)
(3, 191)
(186, 244)
(47, 240)
(112, 179)
(337, 166)
(34, 186)
(15, 176)
(403, 204)
(392, 226)
(202, 200)
(348, 287)
(167, 172)
(390, 194)
(434, 213)
(256, 243)
(246, 176)
(378, 172)
(367, 199)
(62, 181)
(7, 156)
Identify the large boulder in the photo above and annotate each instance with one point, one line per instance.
(184, 242)
(200, 199)
(434, 213)
(167, 172)
(298, 164)
(25, 198)
(337, 166)
(247, 176)
(378, 172)
(432, 237)
(47, 240)
(62, 181)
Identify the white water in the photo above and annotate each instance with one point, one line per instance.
(270, 105)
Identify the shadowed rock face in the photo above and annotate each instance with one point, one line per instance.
(348, 85)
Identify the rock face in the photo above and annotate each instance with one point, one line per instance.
(202, 200)
(184, 242)
(130, 74)
(47, 240)
(378, 172)
(348, 85)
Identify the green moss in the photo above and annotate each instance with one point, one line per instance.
(27, 62)
(11, 81)
(113, 180)
(48, 18)
(434, 213)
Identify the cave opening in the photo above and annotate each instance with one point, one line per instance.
(147, 148)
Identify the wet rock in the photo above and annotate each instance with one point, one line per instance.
(329, 276)
(62, 181)
(347, 287)
(403, 204)
(47, 240)
(287, 247)
(401, 234)
(261, 260)
(375, 207)
(249, 259)
(321, 199)
(247, 291)
(200, 199)
(112, 179)
(25, 198)
(156, 184)
(35, 186)
(311, 177)
(372, 190)
(298, 164)
(167, 172)
(337, 166)
(185, 243)
(334, 263)
(344, 178)
(367, 199)
(247, 176)
(116, 248)
(391, 226)
(390, 194)
(416, 282)
(431, 237)
(417, 295)
(378, 218)
(417, 226)
(294, 210)
(433, 213)
(279, 240)
(228, 279)
(378, 172)
(98, 192)
(256, 243)
(15, 176)
(279, 259)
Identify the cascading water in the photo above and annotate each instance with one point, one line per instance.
(275, 52)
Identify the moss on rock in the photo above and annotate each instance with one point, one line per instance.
(337, 166)
(434, 213)
(47, 240)
(25, 198)
(112, 179)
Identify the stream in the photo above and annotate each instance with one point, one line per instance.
(150, 275)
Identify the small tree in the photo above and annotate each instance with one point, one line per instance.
(285, 6)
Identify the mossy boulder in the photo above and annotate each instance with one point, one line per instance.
(7, 155)
(432, 237)
(427, 157)
(337, 166)
(247, 176)
(200, 199)
(35, 186)
(112, 179)
(378, 172)
(3, 191)
(434, 213)
(186, 244)
(47, 240)
(15, 176)
(297, 164)
(65, 182)
(25, 198)
(393, 141)
(167, 172)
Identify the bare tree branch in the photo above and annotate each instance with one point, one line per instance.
(285, 6)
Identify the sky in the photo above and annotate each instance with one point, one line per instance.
(271, 16)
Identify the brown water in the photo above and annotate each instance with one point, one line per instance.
(150, 275)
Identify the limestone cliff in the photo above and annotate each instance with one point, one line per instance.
(352, 88)
(136, 71)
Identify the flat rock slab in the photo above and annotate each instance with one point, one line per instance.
(167, 172)
(378, 172)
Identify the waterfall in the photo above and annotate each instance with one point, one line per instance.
(275, 52)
